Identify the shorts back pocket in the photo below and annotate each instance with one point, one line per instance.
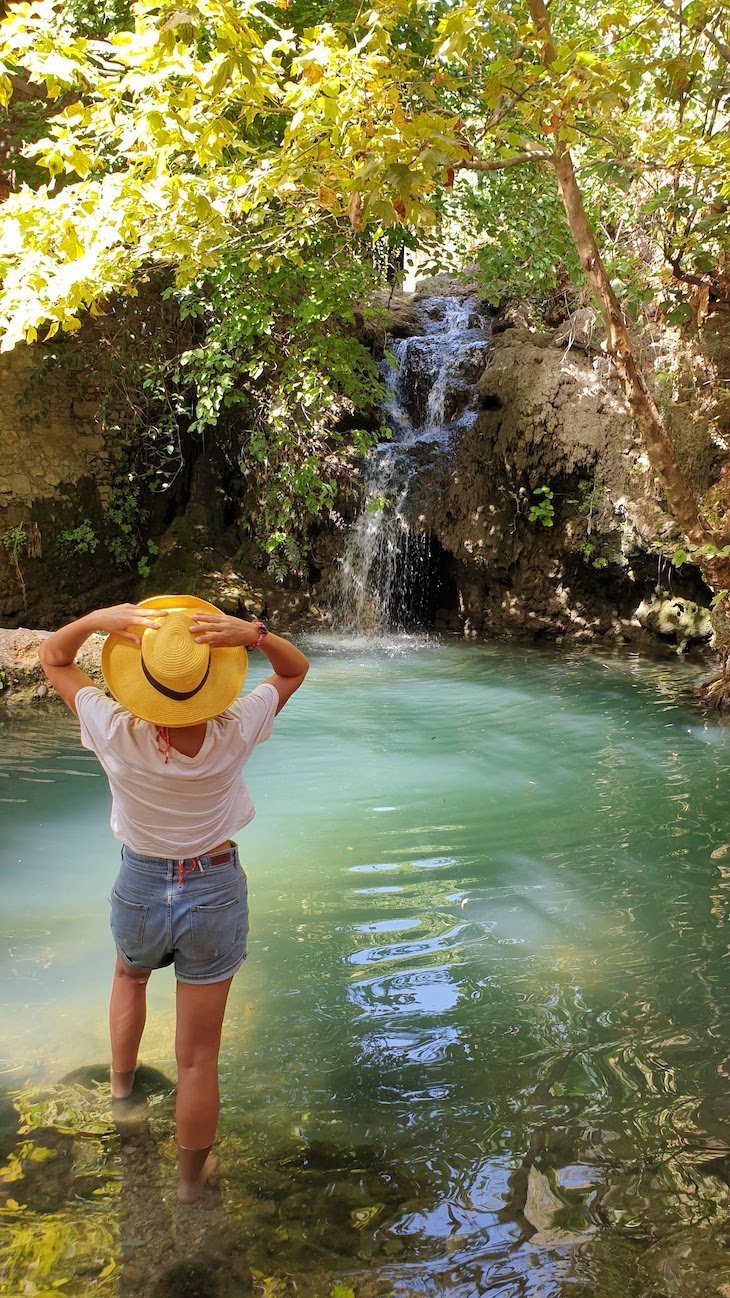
(128, 919)
(218, 928)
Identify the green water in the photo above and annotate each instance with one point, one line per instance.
(480, 1043)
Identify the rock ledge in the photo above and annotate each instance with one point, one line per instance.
(21, 676)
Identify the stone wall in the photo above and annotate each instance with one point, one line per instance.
(54, 467)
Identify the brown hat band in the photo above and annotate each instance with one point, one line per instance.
(178, 695)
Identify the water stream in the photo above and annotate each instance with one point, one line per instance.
(480, 1045)
(387, 578)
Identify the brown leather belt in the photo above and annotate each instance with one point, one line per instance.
(219, 857)
(187, 864)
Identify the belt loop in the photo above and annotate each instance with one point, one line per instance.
(195, 864)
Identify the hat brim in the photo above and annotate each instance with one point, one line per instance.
(121, 665)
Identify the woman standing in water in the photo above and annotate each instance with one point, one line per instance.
(173, 741)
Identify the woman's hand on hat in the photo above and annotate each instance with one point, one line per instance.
(119, 619)
(223, 632)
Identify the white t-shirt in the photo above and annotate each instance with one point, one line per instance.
(191, 804)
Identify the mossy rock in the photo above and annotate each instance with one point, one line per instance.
(671, 616)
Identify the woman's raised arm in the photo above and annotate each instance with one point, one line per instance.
(58, 652)
(289, 663)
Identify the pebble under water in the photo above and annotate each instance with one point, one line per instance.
(480, 1045)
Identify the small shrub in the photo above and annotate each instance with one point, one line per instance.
(78, 540)
(542, 510)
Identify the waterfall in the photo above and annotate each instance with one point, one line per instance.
(386, 576)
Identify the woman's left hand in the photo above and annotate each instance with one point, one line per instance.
(223, 632)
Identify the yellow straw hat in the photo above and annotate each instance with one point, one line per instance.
(168, 678)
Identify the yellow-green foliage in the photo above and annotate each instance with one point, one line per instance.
(236, 126)
(258, 157)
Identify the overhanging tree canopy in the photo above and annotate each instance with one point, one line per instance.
(198, 134)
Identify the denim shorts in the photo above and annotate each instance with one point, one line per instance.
(192, 913)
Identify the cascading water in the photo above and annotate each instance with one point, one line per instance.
(386, 576)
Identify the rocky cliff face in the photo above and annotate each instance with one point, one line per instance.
(546, 501)
(53, 464)
(542, 512)
(537, 508)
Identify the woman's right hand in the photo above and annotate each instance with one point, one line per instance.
(223, 632)
(118, 620)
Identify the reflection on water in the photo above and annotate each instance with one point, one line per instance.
(480, 1044)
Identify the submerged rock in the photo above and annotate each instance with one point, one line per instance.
(202, 1277)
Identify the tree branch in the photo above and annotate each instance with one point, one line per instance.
(499, 164)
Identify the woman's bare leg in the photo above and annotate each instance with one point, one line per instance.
(200, 1010)
(127, 1014)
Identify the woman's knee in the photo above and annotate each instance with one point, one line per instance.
(196, 1056)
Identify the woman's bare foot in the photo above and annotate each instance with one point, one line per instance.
(190, 1189)
(122, 1084)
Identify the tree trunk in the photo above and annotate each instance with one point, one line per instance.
(659, 449)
